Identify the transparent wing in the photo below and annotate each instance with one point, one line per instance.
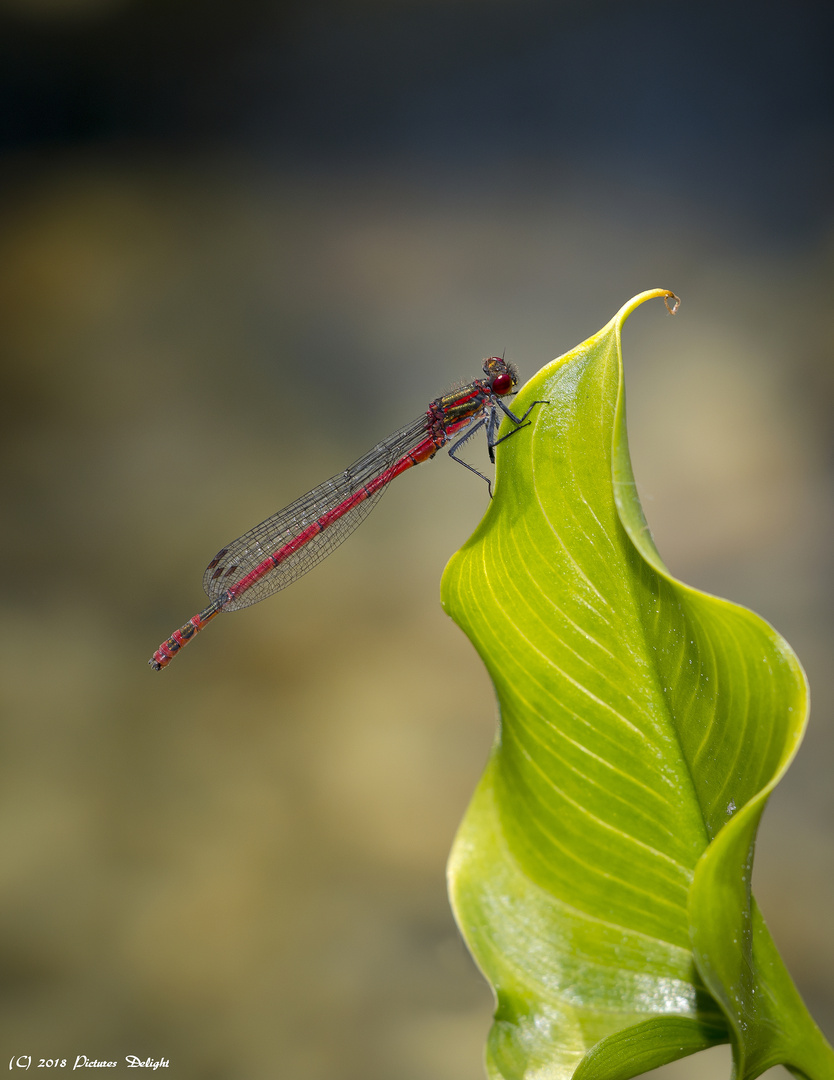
(234, 562)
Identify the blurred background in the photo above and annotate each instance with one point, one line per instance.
(241, 242)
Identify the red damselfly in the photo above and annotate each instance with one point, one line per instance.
(285, 546)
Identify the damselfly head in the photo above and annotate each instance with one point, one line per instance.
(501, 374)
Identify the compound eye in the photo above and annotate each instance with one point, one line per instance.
(502, 384)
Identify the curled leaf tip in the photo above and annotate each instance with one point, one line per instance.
(669, 298)
(672, 302)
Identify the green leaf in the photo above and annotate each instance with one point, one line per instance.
(601, 876)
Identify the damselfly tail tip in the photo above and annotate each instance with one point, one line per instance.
(155, 664)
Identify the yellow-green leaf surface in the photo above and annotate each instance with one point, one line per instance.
(601, 876)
